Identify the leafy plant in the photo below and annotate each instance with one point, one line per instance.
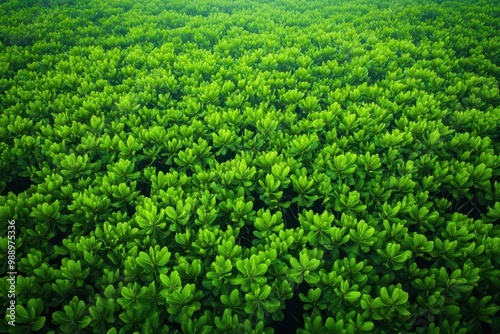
(183, 303)
(74, 318)
(392, 302)
(252, 271)
(154, 262)
(102, 314)
(28, 319)
(304, 268)
(258, 302)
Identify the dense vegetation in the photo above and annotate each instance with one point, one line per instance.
(240, 166)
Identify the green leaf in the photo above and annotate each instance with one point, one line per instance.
(38, 323)
(352, 296)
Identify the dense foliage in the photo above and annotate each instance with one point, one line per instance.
(233, 166)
